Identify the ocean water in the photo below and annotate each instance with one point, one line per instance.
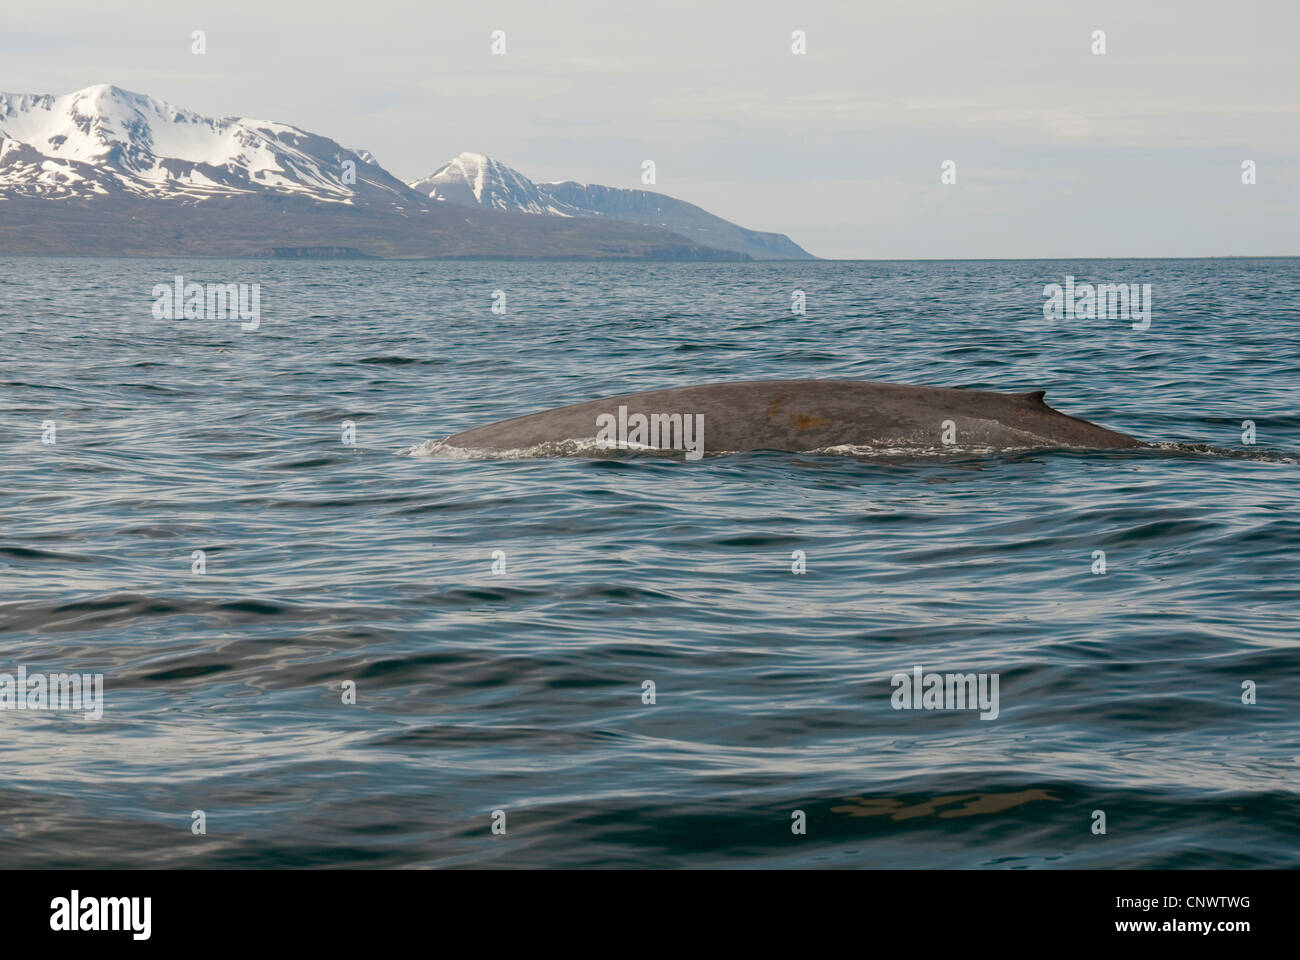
(329, 564)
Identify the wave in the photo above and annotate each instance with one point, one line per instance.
(1211, 452)
(590, 447)
(585, 447)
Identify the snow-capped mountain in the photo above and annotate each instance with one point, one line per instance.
(107, 171)
(105, 141)
(474, 180)
(471, 179)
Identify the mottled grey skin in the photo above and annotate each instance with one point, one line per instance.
(803, 415)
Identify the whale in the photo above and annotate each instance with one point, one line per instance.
(798, 416)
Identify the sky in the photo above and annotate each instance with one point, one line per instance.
(1057, 151)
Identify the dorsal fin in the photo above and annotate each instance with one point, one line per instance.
(1035, 395)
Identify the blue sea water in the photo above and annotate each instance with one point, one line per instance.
(522, 691)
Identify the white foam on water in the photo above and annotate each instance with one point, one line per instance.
(1264, 455)
(591, 448)
(867, 450)
(585, 447)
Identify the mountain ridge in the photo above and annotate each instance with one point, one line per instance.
(108, 169)
(474, 179)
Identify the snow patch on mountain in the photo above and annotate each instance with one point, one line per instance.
(472, 179)
(106, 140)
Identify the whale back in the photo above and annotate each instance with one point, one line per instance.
(807, 415)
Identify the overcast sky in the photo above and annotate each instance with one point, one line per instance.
(1058, 152)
